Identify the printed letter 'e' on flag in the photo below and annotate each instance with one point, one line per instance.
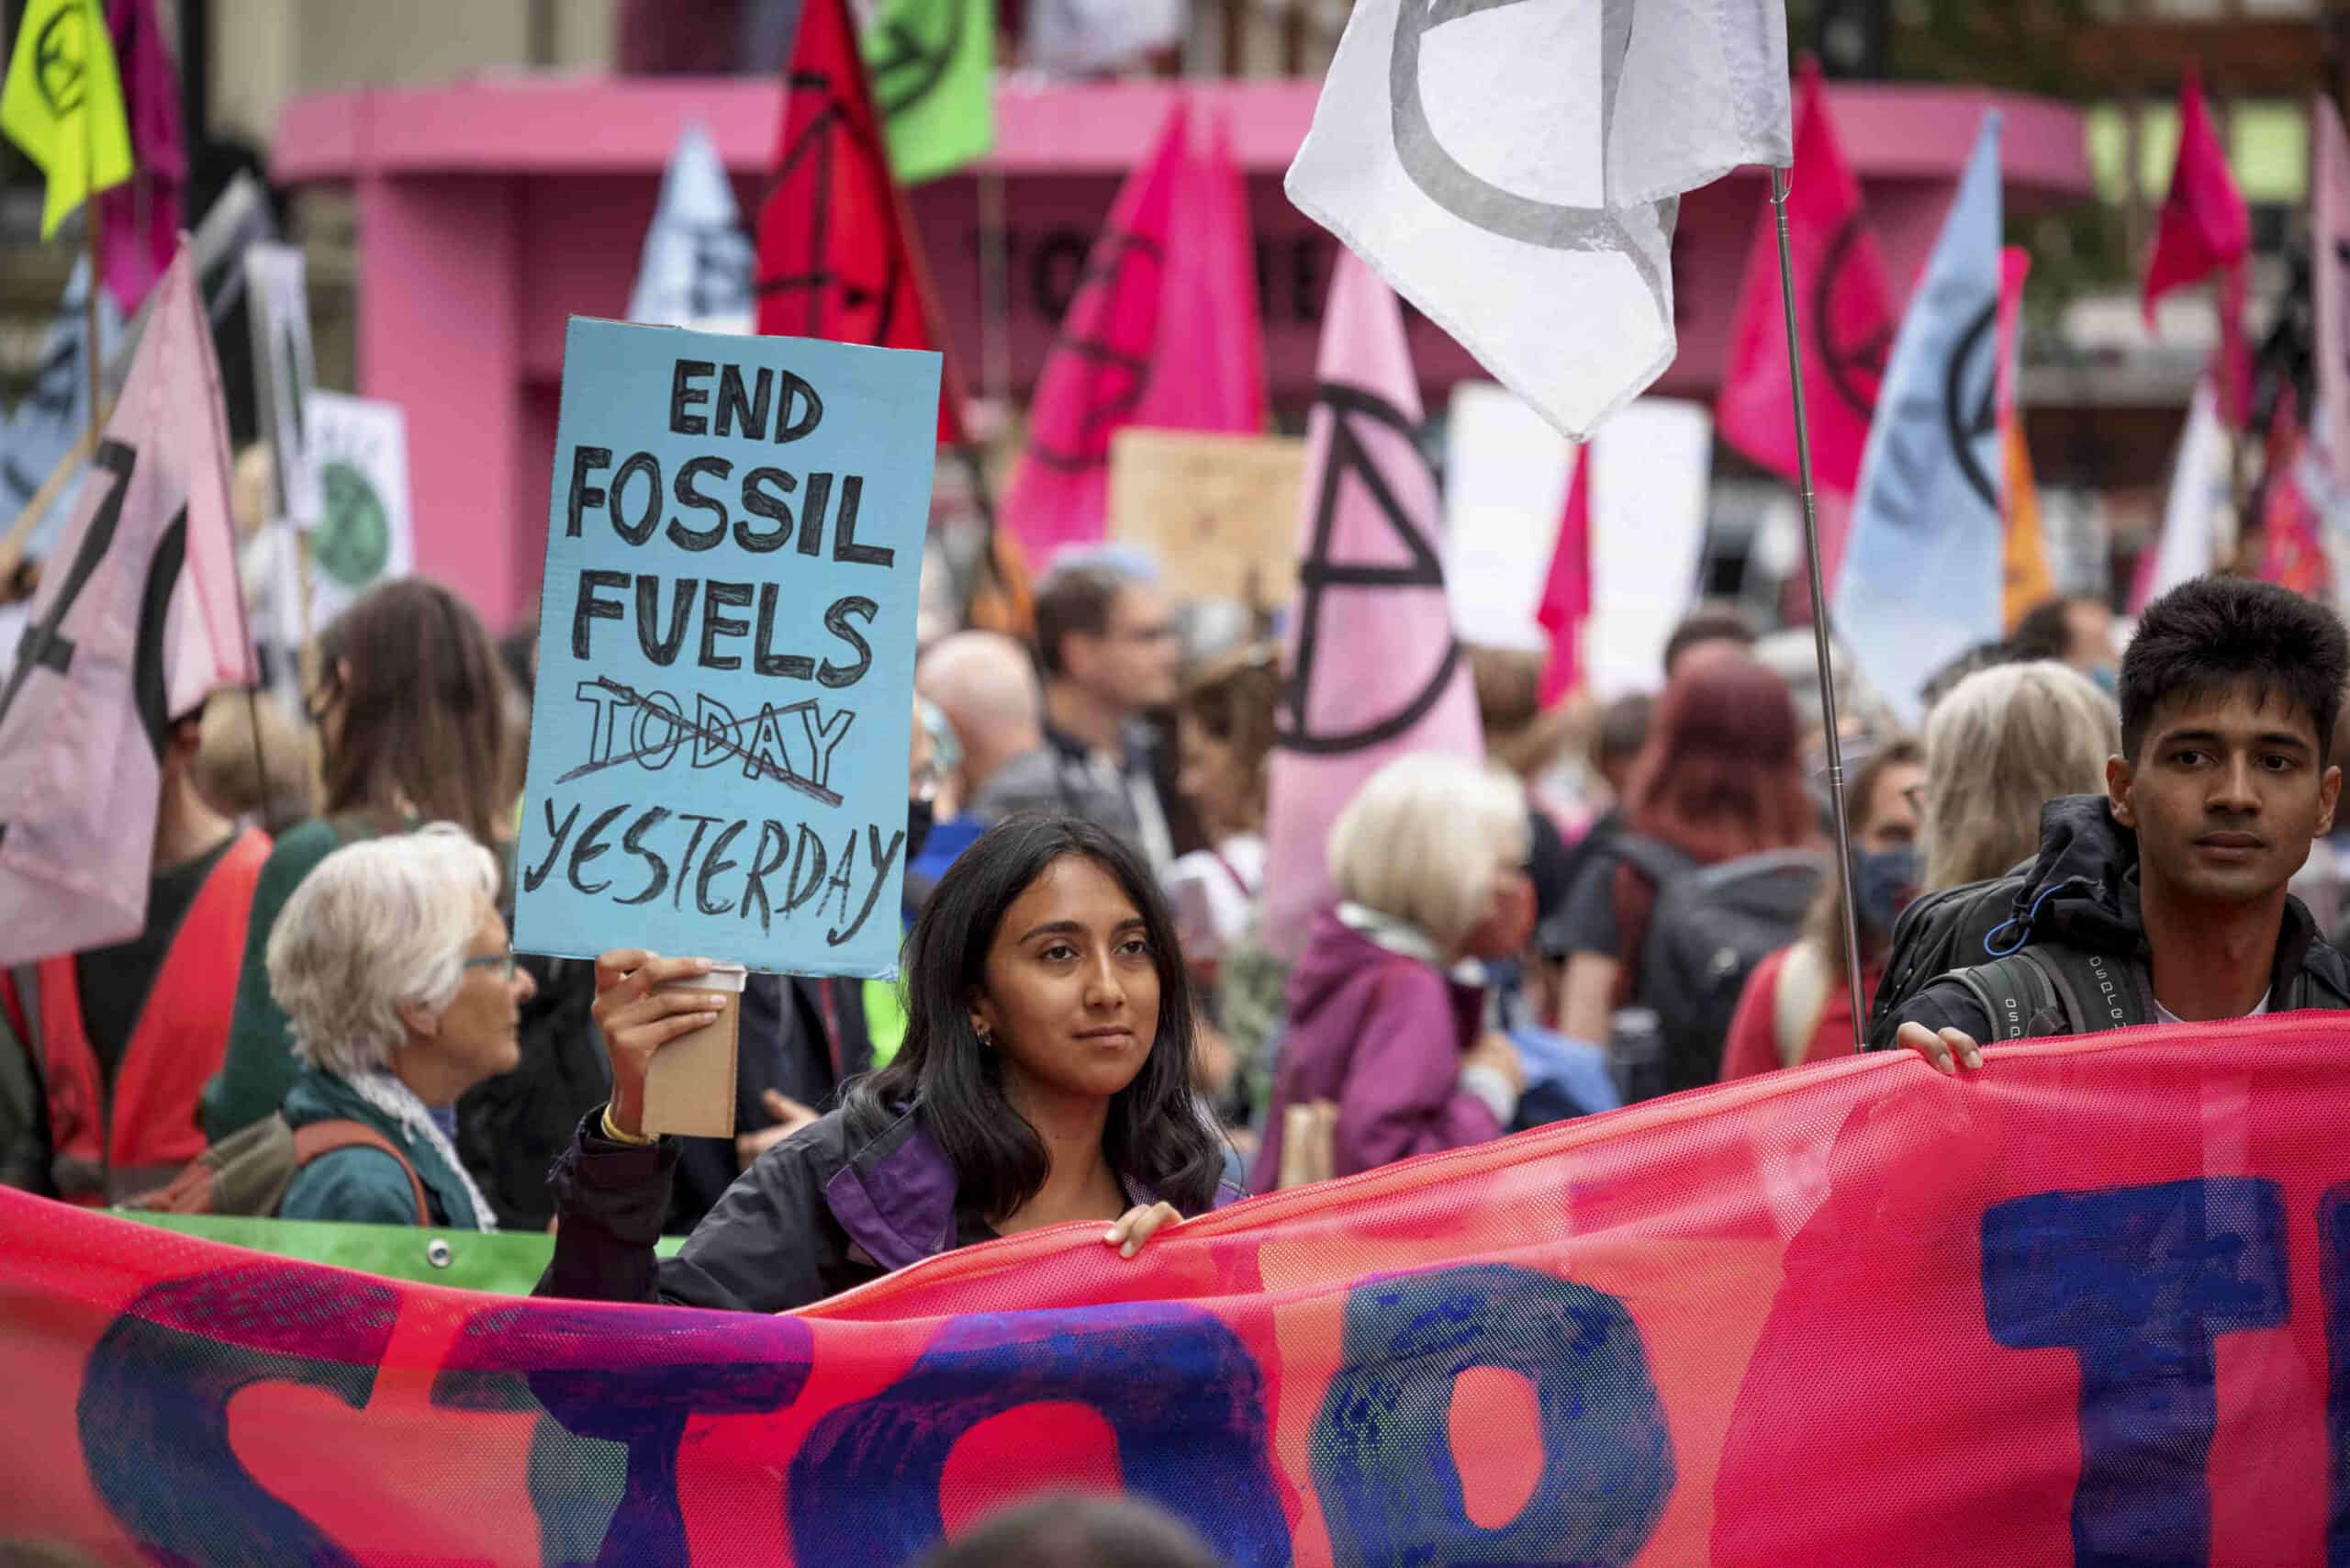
(1844, 306)
(1096, 376)
(1373, 671)
(837, 256)
(1514, 170)
(62, 104)
(1922, 569)
(136, 622)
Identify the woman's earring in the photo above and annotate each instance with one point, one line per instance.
(987, 1038)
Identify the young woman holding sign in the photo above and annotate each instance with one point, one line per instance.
(1044, 1079)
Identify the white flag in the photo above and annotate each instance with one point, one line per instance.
(1514, 168)
(2197, 506)
(364, 535)
(695, 269)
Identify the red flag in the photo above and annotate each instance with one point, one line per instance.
(2205, 229)
(1100, 369)
(1208, 373)
(2292, 539)
(1566, 594)
(838, 257)
(1842, 301)
(2204, 224)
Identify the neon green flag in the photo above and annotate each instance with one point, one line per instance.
(933, 65)
(62, 104)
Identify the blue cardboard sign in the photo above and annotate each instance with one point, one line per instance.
(726, 647)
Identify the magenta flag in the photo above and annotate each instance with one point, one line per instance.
(137, 621)
(1100, 368)
(140, 219)
(1374, 672)
(2329, 247)
(2204, 225)
(1208, 373)
(1566, 592)
(1844, 310)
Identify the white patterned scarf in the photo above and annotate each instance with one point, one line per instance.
(400, 1103)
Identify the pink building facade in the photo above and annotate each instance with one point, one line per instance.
(489, 212)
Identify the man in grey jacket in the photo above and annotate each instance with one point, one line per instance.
(1109, 650)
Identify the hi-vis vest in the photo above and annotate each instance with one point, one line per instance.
(106, 1147)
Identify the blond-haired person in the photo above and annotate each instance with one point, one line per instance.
(1429, 862)
(394, 968)
(2002, 743)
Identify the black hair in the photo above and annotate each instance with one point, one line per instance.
(2045, 630)
(1622, 729)
(1707, 624)
(1073, 601)
(2218, 631)
(1155, 1135)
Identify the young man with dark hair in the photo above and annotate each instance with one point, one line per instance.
(2165, 900)
(1110, 656)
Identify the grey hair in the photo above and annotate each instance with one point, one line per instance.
(2003, 743)
(377, 923)
(1420, 840)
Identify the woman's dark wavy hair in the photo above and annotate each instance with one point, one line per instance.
(1155, 1135)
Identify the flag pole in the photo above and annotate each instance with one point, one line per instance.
(1779, 189)
(93, 350)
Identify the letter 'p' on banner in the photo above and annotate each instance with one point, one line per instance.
(726, 643)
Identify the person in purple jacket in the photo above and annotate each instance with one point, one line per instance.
(1045, 1077)
(1385, 1040)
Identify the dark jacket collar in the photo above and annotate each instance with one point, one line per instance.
(2082, 890)
(896, 1195)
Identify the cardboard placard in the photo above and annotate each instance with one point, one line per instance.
(365, 535)
(726, 642)
(690, 1083)
(1218, 512)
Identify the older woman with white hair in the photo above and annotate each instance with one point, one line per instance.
(394, 970)
(1384, 1044)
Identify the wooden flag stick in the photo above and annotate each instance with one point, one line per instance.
(91, 350)
(12, 546)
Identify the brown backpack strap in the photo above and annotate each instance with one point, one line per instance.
(325, 1138)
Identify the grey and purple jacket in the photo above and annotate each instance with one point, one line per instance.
(817, 1213)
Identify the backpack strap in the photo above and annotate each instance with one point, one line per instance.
(2014, 992)
(320, 1139)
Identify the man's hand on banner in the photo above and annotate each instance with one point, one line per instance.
(638, 1020)
(1937, 1047)
(1138, 1225)
(789, 1115)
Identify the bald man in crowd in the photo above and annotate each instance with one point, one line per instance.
(984, 684)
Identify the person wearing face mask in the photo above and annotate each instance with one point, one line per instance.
(1796, 1007)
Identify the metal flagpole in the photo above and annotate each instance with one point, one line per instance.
(1779, 188)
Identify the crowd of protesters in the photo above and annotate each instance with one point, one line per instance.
(1093, 1022)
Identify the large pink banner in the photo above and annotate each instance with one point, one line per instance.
(2085, 1306)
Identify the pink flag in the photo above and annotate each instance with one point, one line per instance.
(2330, 253)
(1208, 373)
(1566, 593)
(1101, 365)
(1374, 672)
(2204, 225)
(139, 220)
(1844, 307)
(137, 621)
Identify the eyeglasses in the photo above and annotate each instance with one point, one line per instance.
(503, 962)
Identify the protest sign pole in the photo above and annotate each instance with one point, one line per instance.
(92, 347)
(1780, 185)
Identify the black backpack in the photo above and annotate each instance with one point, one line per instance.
(1955, 928)
(1710, 926)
